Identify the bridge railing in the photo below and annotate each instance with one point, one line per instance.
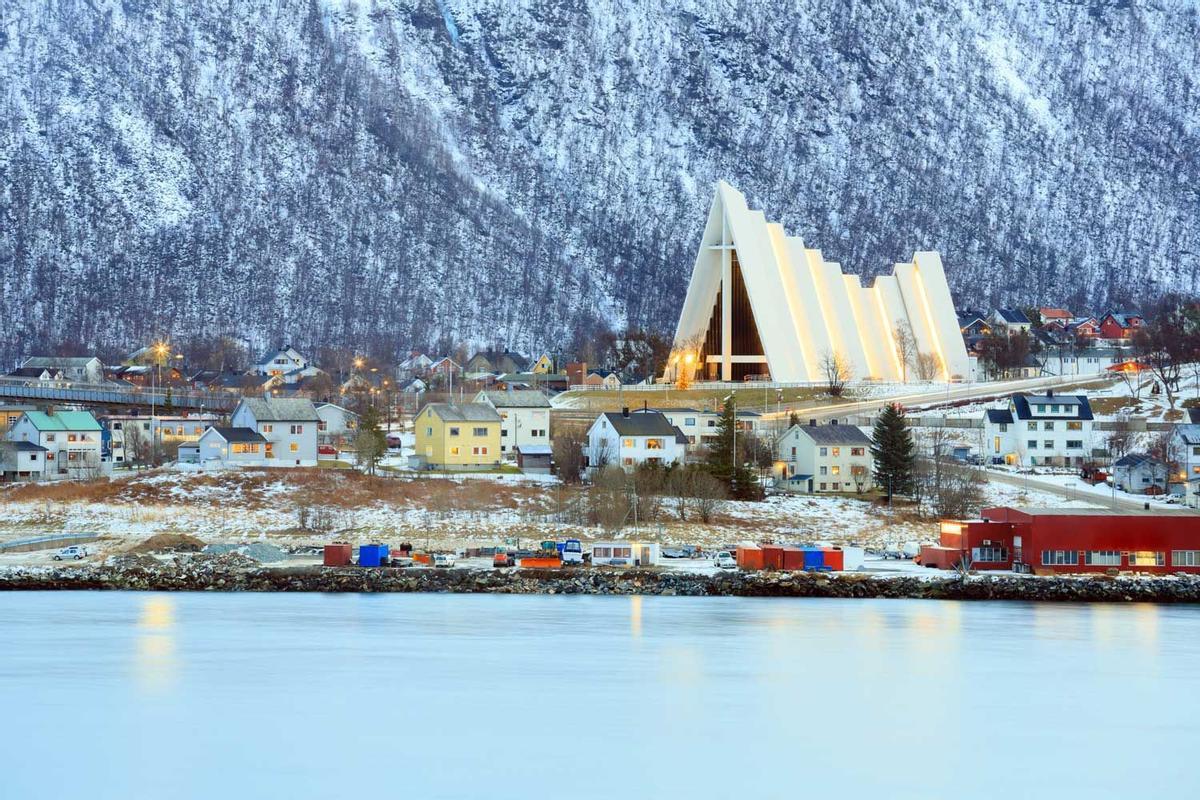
(112, 393)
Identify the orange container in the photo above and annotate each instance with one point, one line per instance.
(772, 557)
(793, 558)
(834, 559)
(541, 562)
(422, 558)
(338, 554)
(750, 558)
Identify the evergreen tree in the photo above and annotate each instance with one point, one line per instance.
(893, 452)
(726, 466)
(169, 402)
(371, 443)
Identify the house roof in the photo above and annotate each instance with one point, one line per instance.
(834, 434)
(1000, 416)
(646, 423)
(1190, 433)
(465, 412)
(516, 398)
(56, 361)
(63, 421)
(1014, 316)
(232, 435)
(339, 408)
(277, 409)
(22, 446)
(1054, 313)
(1137, 459)
(1194, 415)
(28, 372)
(1022, 403)
(534, 449)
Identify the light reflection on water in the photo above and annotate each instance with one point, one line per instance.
(207, 695)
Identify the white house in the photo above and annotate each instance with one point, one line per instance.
(825, 458)
(281, 362)
(1092, 361)
(416, 364)
(154, 431)
(701, 427)
(72, 440)
(1014, 320)
(336, 424)
(629, 440)
(1183, 450)
(524, 417)
(85, 370)
(288, 425)
(1044, 429)
(22, 461)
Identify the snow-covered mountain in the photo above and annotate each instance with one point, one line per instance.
(380, 172)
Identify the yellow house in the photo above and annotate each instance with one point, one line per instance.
(544, 365)
(452, 436)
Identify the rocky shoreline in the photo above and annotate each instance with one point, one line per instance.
(236, 573)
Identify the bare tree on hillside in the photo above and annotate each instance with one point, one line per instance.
(567, 450)
(837, 372)
(927, 366)
(906, 347)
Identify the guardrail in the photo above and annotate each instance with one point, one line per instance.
(100, 393)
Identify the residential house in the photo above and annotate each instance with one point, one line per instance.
(1122, 325)
(134, 438)
(10, 414)
(974, 324)
(1044, 429)
(337, 425)
(542, 365)
(72, 440)
(630, 440)
(83, 370)
(445, 371)
(603, 378)
(1060, 315)
(825, 458)
(22, 461)
(1141, 473)
(1084, 328)
(416, 365)
(576, 372)
(41, 374)
(231, 446)
(478, 364)
(553, 381)
(147, 376)
(288, 427)
(1012, 320)
(701, 427)
(414, 386)
(1183, 450)
(280, 361)
(1092, 361)
(451, 436)
(524, 417)
(495, 362)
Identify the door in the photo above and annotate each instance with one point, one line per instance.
(645, 559)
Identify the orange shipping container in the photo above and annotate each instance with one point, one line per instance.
(535, 562)
(772, 557)
(749, 558)
(338, 554)
(793, 558)
(422, 558)
(834, 559)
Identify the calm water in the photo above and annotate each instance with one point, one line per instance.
(128, 695)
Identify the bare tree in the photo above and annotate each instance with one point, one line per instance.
(946, 488)
(569, 441)
(1120, 437)
(906, 346)
(137, 443)
(707, 495)
(927, 366)
(837, 372)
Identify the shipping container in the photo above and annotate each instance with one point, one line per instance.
(834, 559)
(749, 558)
(338, 554)
(793, 558)
(373, 555)
(422, 558)
(772, 557)
(814, 558)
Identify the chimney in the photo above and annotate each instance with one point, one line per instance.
(812, 423)
(1049, 393)
(625, 412)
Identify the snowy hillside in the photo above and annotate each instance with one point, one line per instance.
(380, 172)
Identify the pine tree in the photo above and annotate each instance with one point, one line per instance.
(371, 443)
(722, 463)
(893, 452)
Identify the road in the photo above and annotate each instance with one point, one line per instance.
(1048, 484)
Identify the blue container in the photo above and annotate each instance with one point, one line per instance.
(813, 558)
(372, 555)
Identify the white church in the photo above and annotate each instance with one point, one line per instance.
(760, 303)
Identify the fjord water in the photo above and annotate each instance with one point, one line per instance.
(129, 695)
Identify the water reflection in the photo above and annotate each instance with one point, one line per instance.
(635, 616)
(155, 648)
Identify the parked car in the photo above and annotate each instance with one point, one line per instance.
(725, 560)
(445, 560)
(503, 560)
(75, 551)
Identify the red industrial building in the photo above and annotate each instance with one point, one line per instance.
(1059, 540)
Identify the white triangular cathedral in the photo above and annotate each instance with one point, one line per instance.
(761, 303)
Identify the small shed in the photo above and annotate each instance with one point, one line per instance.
(534, 458)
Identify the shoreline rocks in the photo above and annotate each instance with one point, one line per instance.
(233, 572)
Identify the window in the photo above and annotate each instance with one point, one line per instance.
(857, 451)
(1074, 444)
(1054, 408)
(454, 431)
(824, 451)
(824, 470)
(1032, 444)
(689, 420)
(294, 447)
(1048, 444)
(429, 431)
(822, 487)
(1196, 451)
(266, 428)
(835, 469)
(453, 451)
(297, 429)
(1041, 409)
(72, 437)
(836, 486)
(837, 451)
(1102, 558)
(1031, 426)
(989, 554)
(1146, 558)
(245, 447)
(1047, 426)
(1185, 558)
(601, 552)
(1074, 426)
(627, 461)
(197, 430)
(654, 444)
(479, 432)
(1056, 558)
(1004, 427)
(622, 552)
(49, 437)
(793, 453)
(627, 443)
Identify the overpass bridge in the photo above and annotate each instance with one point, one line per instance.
(23, 390)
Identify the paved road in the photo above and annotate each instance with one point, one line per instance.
(1046, 483)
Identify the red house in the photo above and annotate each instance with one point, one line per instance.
(1055, 540)
(1120, 326)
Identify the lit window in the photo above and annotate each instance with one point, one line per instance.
(453, 451)
(837, 451)
(627, 443)
(295, 448)
(1145, 558)
(857, 451)
(836, 470)
(654, 444)
(267, 428)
